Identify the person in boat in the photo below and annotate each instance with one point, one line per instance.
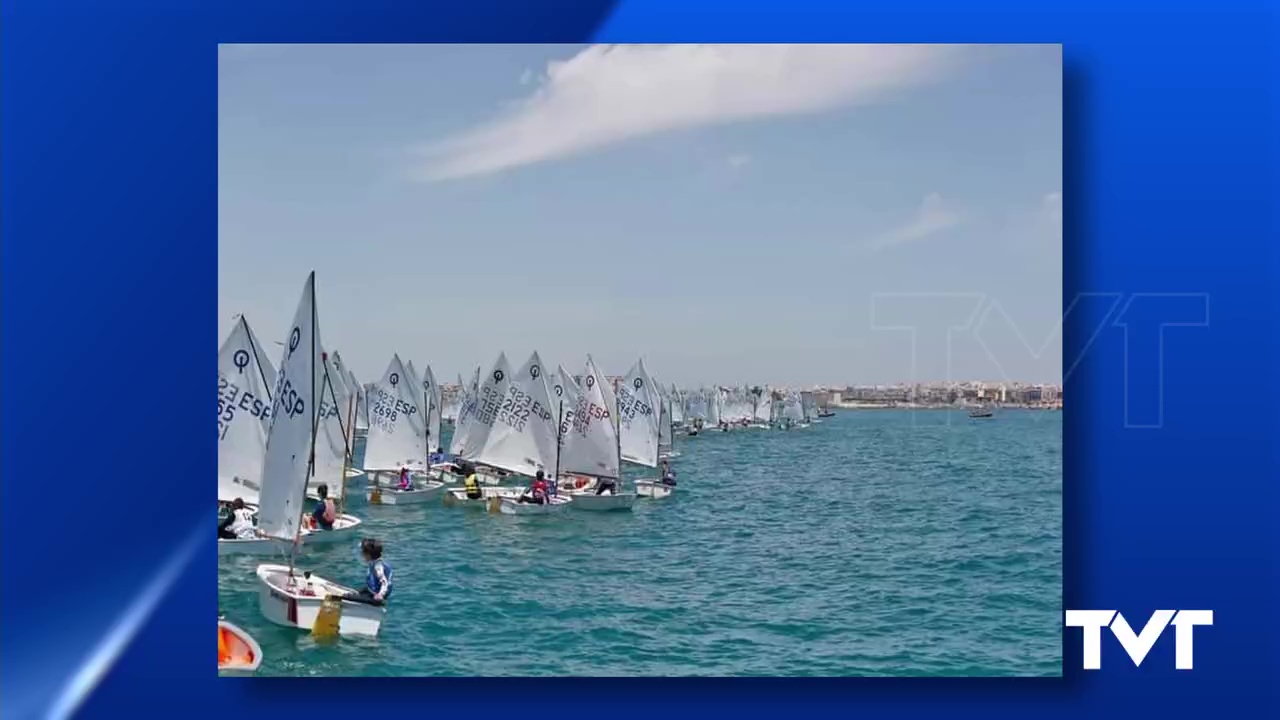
(606, 484)
(472, 484)
(668, 475)
(537, 493)
(377, 581)
(437, 457)
(239, 524)
(406, 482)
(326, 513)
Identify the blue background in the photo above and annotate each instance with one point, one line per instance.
(108, 330)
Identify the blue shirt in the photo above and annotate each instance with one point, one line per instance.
(318, 515)
(371, 580)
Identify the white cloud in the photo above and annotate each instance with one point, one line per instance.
(738, 161)
(612, 93)
(934, 216)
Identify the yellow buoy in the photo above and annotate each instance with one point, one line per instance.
(495, 502)
(375, 496)
(328, 619)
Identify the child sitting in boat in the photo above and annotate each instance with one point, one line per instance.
(405, 482)
(668, 475)
(239, 524)
(537, 493)
(325, 513)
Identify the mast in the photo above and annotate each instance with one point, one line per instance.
(349, 451)
(617, 432)
(315, 417)
(555, 479)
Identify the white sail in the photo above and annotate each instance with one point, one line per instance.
(331, 432)
(244, 409)
(592, 444)
(466, 413)
(564, 399)
(264, 364)
(664, 427)
(520, 436)
(435, 411)
(638, 401)
(293, 414)
(397, 432)
(791, 407)
(362, 405)
(764, 406)
(677, 405)
(489, 398)
(713, 406)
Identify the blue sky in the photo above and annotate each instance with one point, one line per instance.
(733, 213)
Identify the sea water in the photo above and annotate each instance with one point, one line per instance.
(876, 542)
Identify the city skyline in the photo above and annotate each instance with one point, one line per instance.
(734, 214)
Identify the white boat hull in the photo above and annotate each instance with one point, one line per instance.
(421, 494)
(458, 496)
(353, 473)
(245, 655)
(654, 489)
(603, 503)
(344, 529)
(283, 603)
(258, 546)
(510, 506)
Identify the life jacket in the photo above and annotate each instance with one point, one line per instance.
(540, 488)
(371, 580)
(330, 512)
(471, 484)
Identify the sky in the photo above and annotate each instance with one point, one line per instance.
(764, 214)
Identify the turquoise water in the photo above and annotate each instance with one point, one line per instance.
(878, 542)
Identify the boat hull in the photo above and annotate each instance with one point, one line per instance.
(282, 603)
(258, 546)
(421, 494)
(608, 502)
(511, 506)
(344, 529)
(244, 655)
(654, 489)
(457, 497)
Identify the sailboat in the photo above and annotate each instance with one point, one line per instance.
(666, 432)
(596, 449)
(238, 652)
(398, 439)
(244, 414)
(513, 431)
(287, 596)
(332, 454)
(651, 487)
(982, 411)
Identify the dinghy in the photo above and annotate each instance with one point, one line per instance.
(244, 404)
(398, 439)
(593, 446)
(654, 489)
(287, 595)
(513, 433)
(457, 497)
(332, 454)
(238, 652)
(512, 506)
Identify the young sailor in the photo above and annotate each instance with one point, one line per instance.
(668, 475)
(326, 512)
(239, 524)
(406, 483)
(537, 493)
(377, 581)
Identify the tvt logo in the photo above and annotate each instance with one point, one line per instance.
(1137, 645)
